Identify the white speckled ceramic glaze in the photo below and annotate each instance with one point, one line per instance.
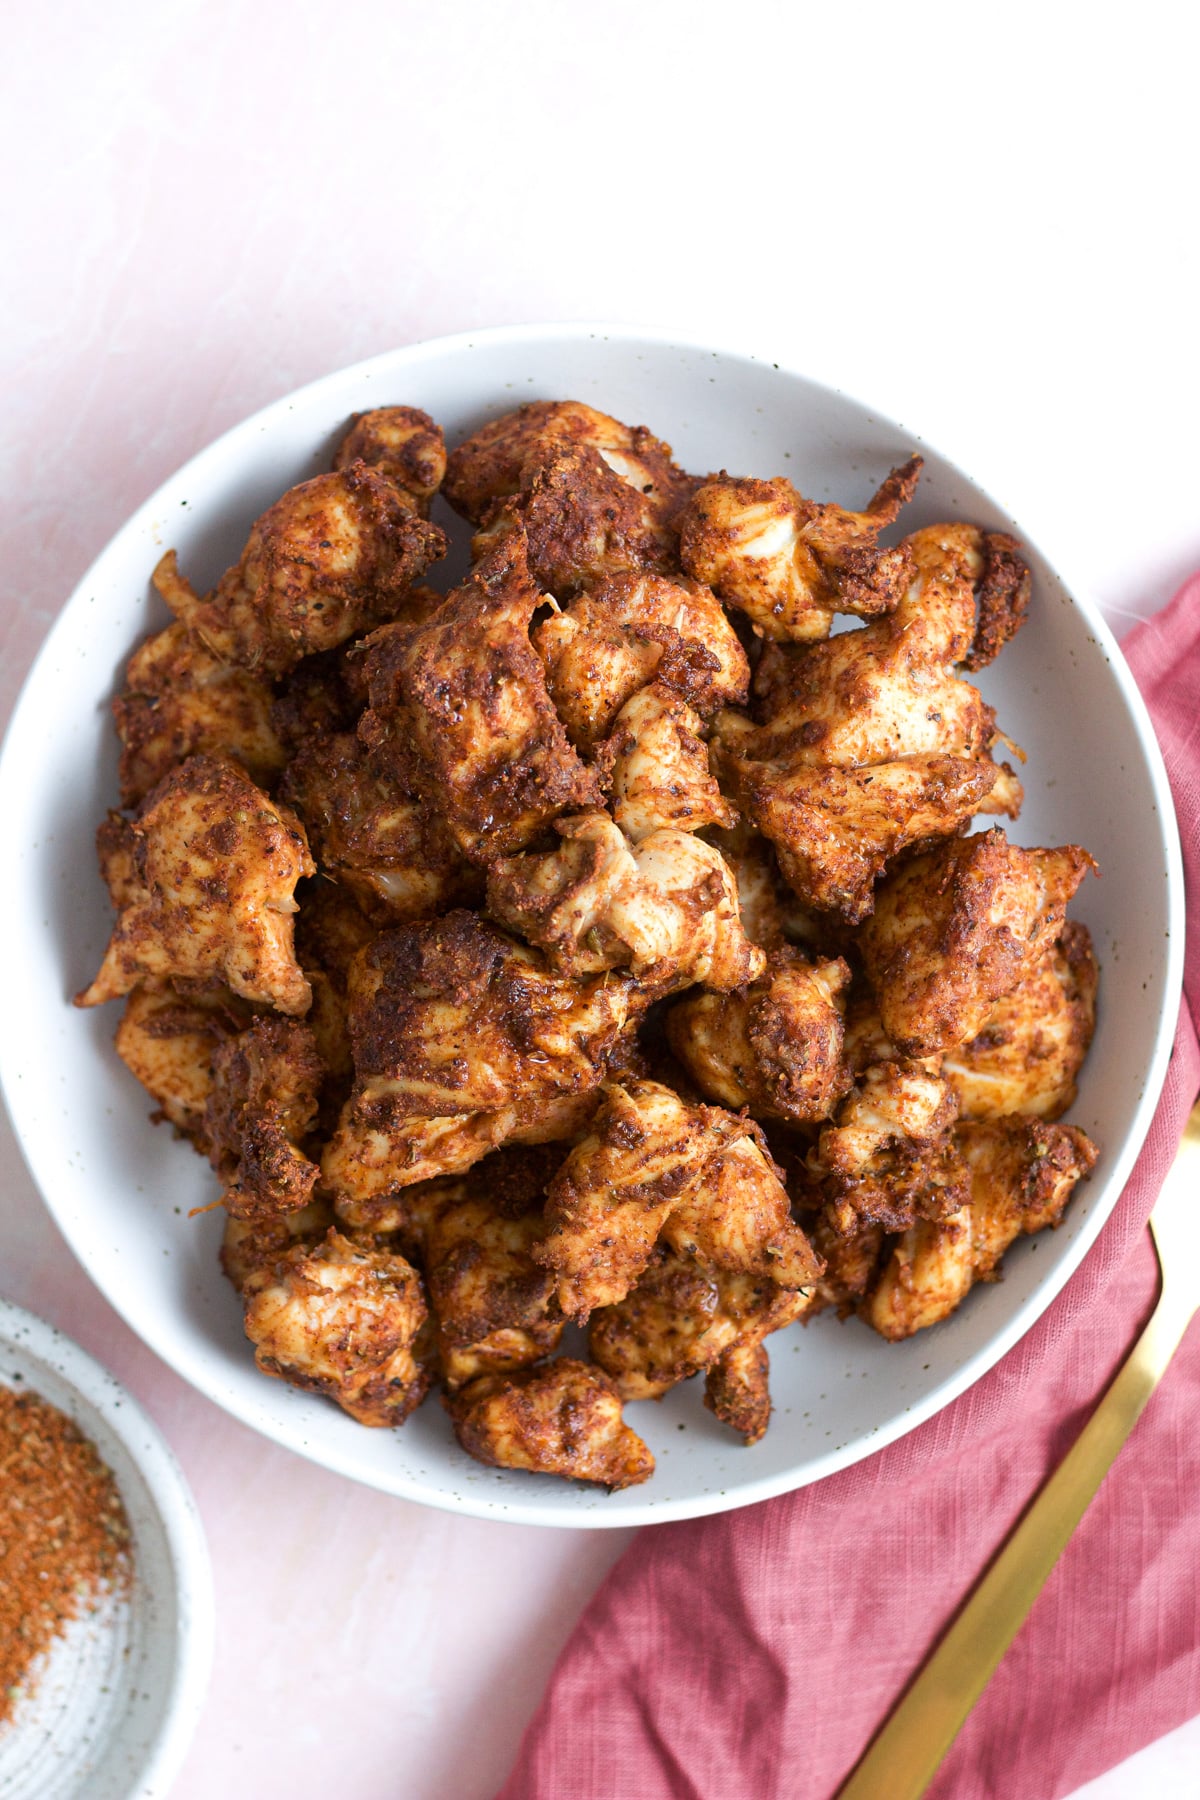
(121, 1188)
(118, 1696)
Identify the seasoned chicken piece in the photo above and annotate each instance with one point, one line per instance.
(735, 1218)
(836, 830)
(613, 1194)
(458, 1031)
(956, 929)
(489, 466)
(1003, 589)
(329, 560)
(460, 714)
(560, 899)
(928, 1274)
(770, 912)
(681, 920)
(887, 1156)
(116, 853)
(343, 1321)
(666, 908)
(594, 497)
(168, 1042)
(457, 1143)
(888, 692)
(904, 1180)
(682, 1318)
(215, 866)
(774, 1046)
(667, 1327)
(563, 1418)
(737, 1388)
(892, 1102)
(629, 630)
(472, 1235)
(250, 1248)
(657, 763)
(405, 444)
(584, 524)
(376, 1151)
(1034, 1041)
(789, 563)
(468, 1017)
(1022, 1174)
(388, 848)
(328, 692)
(179, 698)
(654, 1168)
(261, 1110)
(872, 743)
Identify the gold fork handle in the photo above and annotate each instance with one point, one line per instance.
(903, 1759)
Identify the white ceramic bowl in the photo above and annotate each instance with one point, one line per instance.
(120, 1188)
(120, 1692)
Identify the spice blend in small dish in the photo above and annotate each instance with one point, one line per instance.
(64, 1536)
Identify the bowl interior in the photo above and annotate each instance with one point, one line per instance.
(119, 1693)
(121, 1188)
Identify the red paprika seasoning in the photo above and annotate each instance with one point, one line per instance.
(64, 1536)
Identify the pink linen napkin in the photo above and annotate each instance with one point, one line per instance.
(752, 1656)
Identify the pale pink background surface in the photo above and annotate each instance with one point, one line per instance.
(981, 220)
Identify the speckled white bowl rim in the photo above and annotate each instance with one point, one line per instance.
(103, 1396)
(520, 1505)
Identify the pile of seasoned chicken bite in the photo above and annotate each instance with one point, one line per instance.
(602, 944)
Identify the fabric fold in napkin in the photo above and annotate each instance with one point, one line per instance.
(751, 1656)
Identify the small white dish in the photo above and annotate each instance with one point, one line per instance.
(120, 1187)
(119, 1694)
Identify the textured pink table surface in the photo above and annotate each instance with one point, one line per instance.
(210, 204)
